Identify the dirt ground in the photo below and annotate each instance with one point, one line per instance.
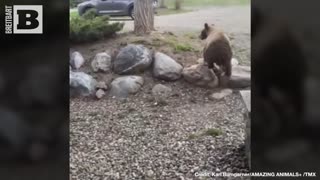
(234, 20)
(137, 138)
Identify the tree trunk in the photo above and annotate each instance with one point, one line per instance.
(162, 4)
(144, 17)
(178, 4)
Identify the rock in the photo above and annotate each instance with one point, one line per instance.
(100, 94)
(126, 85)
(76, 60)
(166, 68)
(161, 92)
(200, 61)
(241, 71)
(200, 75)
(81, 84)
(246, 96)
(102, 85)
(241, 77)
(101, 63)
(234, 62)
(221, 94)
(132, 59)
(150, 173)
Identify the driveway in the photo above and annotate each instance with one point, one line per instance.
(234, 19)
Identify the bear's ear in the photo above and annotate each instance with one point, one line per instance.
(206, 26)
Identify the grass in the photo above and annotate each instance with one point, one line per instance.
(73, 14)
(212, 132)
(199, 3)
(191, 36)
(183, 48)
(146, 42)
(192, 136)
(209, 132)
(177, 44)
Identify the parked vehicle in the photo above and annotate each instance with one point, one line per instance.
(111, 7)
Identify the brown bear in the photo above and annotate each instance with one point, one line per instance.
(217, 49)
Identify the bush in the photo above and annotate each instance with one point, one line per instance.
(90, 27)
(72, 3)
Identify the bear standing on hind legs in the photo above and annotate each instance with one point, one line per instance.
(217, 50)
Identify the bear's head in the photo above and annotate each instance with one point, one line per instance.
(206, 31)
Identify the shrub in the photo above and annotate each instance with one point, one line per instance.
(72, 3)
(90, 27)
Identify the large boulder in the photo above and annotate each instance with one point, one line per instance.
(166, 68)
(76, 60)
(132, 59)
(124, 86)
(200, 75)
(241, 77)
(82, 84)
(234, 61)
(101, 63)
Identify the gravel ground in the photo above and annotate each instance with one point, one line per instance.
(140, 139)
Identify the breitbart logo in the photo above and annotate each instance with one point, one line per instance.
(23, 19)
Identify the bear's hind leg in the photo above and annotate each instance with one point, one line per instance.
(228, 68)
(210, 65)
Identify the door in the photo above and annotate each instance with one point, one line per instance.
(106, 7)
(121, 7)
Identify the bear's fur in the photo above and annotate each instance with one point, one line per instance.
(217, 49)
